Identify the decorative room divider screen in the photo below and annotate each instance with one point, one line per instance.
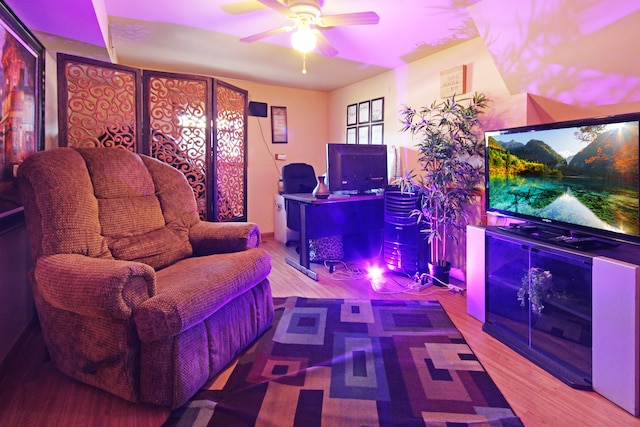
(176, 110)
(166, 115)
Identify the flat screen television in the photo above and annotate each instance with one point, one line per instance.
(580, 176)
(356, 168)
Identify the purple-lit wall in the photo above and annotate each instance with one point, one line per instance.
(549, 61)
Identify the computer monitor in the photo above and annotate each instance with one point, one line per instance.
(356, 168)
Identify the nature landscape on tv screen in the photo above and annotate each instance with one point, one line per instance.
(579, 175)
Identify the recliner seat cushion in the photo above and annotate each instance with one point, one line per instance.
(184, 299)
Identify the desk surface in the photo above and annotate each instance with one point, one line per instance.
(359, 217)
(333, 198)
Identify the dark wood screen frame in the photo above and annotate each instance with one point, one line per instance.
(142, 128)
(217, 210)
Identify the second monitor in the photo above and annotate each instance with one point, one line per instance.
(356, 168)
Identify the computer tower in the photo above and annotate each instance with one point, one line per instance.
(405, 248)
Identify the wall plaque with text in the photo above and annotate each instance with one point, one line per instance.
(453, 81)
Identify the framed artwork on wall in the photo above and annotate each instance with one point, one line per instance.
(352, 136)
(278, 125)
(363, 112)
(22, 126)
(352, 114)
(377, 110)
(377, 134)
(363, 134)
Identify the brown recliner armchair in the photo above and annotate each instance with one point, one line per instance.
(135, 294)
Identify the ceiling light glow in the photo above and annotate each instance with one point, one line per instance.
(304, 40)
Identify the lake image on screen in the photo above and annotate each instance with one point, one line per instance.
(582, 175)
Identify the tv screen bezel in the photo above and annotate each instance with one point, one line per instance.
(565, 227)
(340, 189)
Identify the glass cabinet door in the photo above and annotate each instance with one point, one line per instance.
(507, 262)
(538, 301)
(560, 306)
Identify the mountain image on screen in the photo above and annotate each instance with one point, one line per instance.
(537, 151)
(615, 151)
(581, 175)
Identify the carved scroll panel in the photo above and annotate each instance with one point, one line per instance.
(230, 153)
(98, 105)
(178, 129)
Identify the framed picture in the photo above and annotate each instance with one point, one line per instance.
(352, 114)
(21, 128)
(278, 125)
(377, 134)
(363, 134)
(363, 112)
(352, 136)
(377, 110)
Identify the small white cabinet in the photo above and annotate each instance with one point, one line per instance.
(281, 232)
(616, 342)
(475, 272)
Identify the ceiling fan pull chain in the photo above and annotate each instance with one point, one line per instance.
(304, 63)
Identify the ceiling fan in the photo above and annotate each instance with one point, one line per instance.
(307, 20)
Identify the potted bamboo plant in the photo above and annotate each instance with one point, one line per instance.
(451, 168)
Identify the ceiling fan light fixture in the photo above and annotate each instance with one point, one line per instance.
(304, 40)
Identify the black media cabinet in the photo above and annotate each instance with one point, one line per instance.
(556, 332)
(585, 327)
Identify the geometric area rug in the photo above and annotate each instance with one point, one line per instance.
(334, 362)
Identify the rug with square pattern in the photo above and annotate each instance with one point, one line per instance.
(333, 362)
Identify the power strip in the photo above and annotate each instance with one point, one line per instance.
(417, 286)
(456, 289)
(421, 281)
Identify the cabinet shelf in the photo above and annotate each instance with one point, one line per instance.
(574, 307)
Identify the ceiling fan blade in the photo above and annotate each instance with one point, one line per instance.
(324, 46)
(358, 18)
(266, 34)
(242, 7)
(277, 6)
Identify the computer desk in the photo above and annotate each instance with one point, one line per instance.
(361, 215)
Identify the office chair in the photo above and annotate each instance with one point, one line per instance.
(296, 178)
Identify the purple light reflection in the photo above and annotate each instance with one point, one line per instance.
(580, 53)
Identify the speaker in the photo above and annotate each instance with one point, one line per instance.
(258, 109)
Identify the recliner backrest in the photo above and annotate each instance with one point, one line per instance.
(108, 203)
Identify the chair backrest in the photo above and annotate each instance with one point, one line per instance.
(298, 178)
(106, 203)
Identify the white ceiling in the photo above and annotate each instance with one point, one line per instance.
(571, 51)
(201, 37)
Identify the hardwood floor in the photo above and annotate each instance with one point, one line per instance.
(34, 393)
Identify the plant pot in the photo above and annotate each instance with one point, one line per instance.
(440, 273)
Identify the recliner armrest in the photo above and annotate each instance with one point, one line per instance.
(96, 287)
(208, 238)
